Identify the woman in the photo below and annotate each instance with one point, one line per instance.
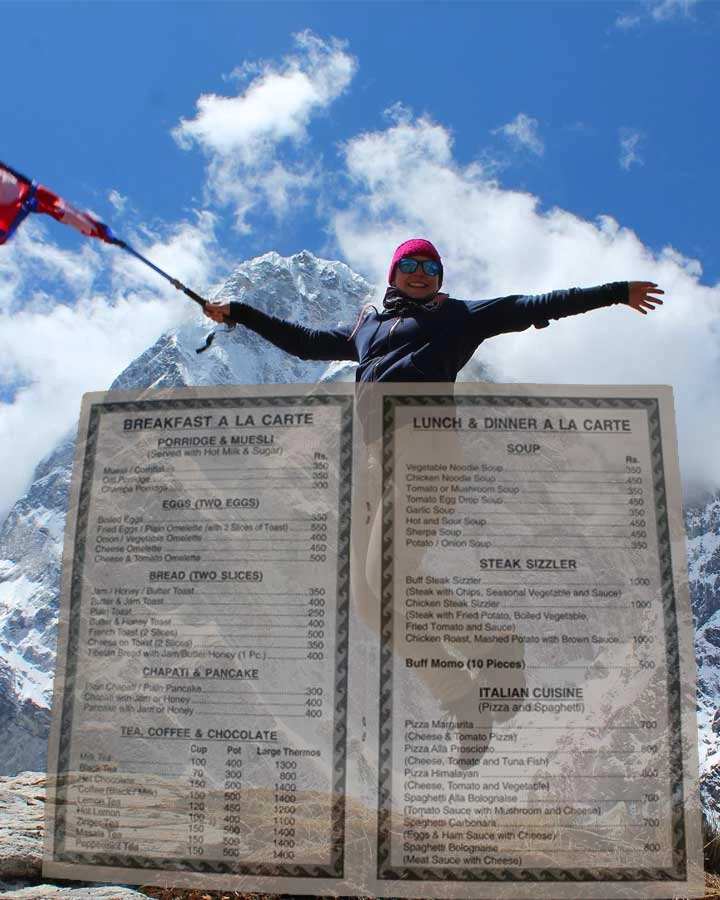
(421, 334)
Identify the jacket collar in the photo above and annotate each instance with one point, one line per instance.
(399, 304)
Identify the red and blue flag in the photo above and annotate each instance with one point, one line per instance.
(20, 196)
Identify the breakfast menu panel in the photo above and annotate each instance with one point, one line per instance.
(204, 711)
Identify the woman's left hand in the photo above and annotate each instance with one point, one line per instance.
(218, 312)
(640, 296)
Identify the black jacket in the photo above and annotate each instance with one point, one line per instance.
(416, 342)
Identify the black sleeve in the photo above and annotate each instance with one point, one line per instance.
(305, 343)
(518, 312)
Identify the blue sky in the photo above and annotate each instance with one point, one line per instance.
(104, 84)
(539, 144)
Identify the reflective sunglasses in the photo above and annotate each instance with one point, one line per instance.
(407, 266)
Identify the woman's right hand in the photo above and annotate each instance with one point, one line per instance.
(218, 312)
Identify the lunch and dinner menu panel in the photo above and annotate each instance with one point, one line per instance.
(437, 643)
(531, 689)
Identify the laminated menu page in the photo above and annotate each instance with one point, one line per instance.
(431, 641)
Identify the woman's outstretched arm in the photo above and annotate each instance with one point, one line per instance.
(298, 340)
(518, 312)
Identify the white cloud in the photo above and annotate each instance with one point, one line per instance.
(111, 309)
(30, 253)
(523, 132)
(186, 251)
(626, 22)
(656, 11)
(662, 10)
(497, 242)
(630, 139)
(118, 201)
(244, 136)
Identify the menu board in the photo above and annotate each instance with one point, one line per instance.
(507, 564)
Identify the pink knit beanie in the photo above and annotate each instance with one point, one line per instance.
(415, 247)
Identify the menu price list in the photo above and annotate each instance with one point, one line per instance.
(237, 794)
(530, 638)
(209, 639)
